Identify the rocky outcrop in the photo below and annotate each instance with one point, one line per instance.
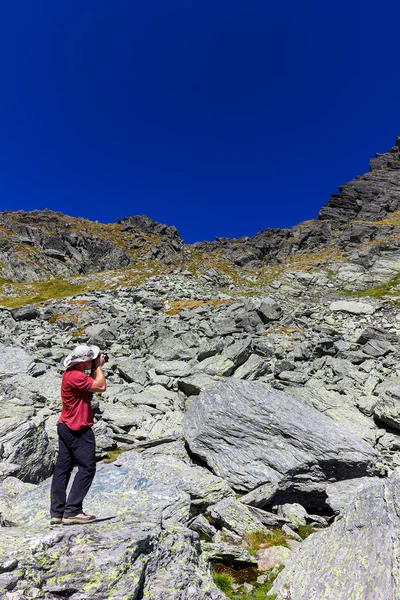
(251, 438)
(370, 197)
(39, 245)
(357, 557)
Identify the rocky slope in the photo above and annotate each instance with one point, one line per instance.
(246, 407)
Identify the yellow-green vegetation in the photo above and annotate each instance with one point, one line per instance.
(377, 291)
(225, 578)
(40, 291)
(391, 219)
(305, 530)
(264, 539)
(112, 455)
(224, 581)
(178, 305)
(314, 259)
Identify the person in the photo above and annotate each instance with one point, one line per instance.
(76, 442)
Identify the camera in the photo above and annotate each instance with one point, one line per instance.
(106, 357)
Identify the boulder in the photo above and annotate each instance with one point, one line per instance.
(268, 310)
(251, 436)
(352, 307)
(25, 313)
(27, 445)
(14, 360)
(235, 516)
(131, 370)
(171, 348)
(139, 544)
(216, 365)
(357, 557)
(254, 367)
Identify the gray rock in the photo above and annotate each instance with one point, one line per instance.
(25, 313)
(216, 365)
(355, 558)
(14, 360)
(132, 370)
(228, 553)
(377, 348)
(170, 348)
(234, 516)
(340, 495)
(27, 445)
(238, 352)
(268, 310)
(295, 514)
(355, 308)
(173, 368)
(196, 383)
(203, 527)
(253, 368)
(142, 509)
(296, 377)
(251, 436)
(177, 570)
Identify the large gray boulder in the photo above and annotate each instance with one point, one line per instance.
(26, 444)
(357, 558)
(251, 436)
(13, 360)
(139, 545)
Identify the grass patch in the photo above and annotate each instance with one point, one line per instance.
(112, 455)
(261, 539)
(377, 291)
(224, 581)
(225, 578)
(305, 530)
(3, 281)
(40, 291)
(178, 305)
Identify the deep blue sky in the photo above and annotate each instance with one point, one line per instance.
(221, 118)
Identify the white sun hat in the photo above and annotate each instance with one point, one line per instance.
(81, 353)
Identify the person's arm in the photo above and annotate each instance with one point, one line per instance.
(99, 384)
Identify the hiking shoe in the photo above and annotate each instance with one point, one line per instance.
(56, 520)
(82, 518)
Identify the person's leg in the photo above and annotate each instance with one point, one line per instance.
(84, 453)
(61, 475)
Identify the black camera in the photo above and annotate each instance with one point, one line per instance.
(106, 357)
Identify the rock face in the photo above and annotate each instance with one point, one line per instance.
(370, 197)
(251, 437)
(140, 546)
(357, 557)
(37, 245)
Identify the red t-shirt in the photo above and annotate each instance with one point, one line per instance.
(76, 399)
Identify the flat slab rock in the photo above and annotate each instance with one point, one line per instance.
(357, 558)
(251, 436)
(139, 547)
(355, 308)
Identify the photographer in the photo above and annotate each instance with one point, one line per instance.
(75, 435)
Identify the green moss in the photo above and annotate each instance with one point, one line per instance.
(205, 538)
(112, 455)
(227, 576)
(93, 582)
(263, 539)
(305, 530)
(224, 582)
(41, 291)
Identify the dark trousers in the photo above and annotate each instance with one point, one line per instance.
(74, 448)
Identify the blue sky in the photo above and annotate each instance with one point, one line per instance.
(222, 118)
